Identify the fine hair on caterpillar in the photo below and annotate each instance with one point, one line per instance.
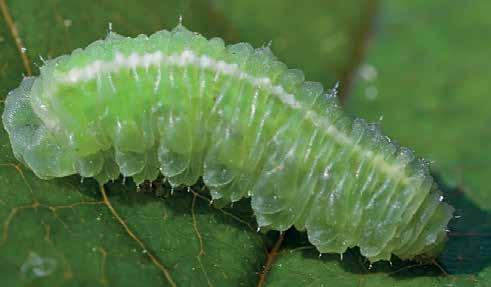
(188, 107)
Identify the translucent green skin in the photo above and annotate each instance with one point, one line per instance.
(244, 141)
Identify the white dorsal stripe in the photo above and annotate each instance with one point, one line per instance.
(188, 57)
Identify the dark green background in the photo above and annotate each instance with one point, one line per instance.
(422, 66)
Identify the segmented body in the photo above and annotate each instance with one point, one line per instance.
(189, 107)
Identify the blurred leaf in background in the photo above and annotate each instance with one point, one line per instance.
(423, 66)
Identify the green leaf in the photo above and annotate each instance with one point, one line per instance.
(66, 233)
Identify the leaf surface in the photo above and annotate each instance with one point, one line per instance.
(66, 233)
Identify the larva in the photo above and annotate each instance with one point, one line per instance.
(190, 107)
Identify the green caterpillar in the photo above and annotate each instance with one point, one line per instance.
(188, 107)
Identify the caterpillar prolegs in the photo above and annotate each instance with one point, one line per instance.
(177, 103)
